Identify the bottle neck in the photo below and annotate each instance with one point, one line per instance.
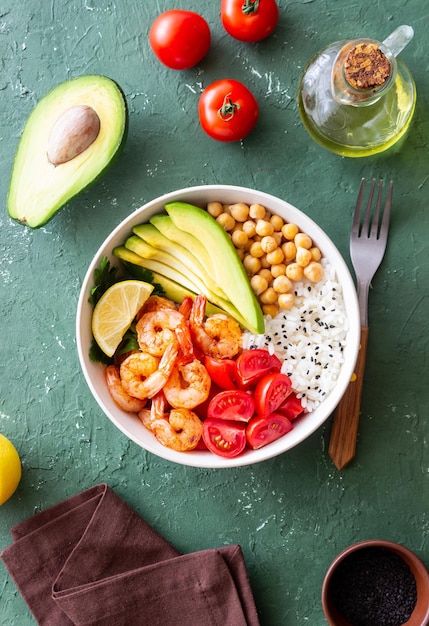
(362, 73)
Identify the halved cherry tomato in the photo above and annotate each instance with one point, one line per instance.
(263, 430)
(235, 405)
(228, 111)
(253, 364)
(291, 407)
(180, 39)
(271, 391)
(249, 20)
(224, 438)
(221, 371)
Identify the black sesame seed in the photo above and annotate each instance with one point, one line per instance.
(374, 586)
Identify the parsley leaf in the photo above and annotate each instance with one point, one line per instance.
(104, 277)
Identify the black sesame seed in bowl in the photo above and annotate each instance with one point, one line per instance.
(376, 583)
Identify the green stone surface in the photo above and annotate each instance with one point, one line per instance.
(291, 514)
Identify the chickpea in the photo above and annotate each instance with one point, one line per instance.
(239, 239)
(252, 265)
(265, 273)
(264, 228)
(289, 251)
(249, 228)
(239, 211)
(269, 296)
(270, 309)
(314, 271)
(303, 256)
(226, 221)
(257, 211)
(294, 271)
(286, 301)
(275, 257)
(316, 255)
(290, 231)
(215, 209)
(277, 222)
(240, 253)
(277, 234)
(249, 244)
(303, 241)
(256, 250)
(265, 263)
(278, 269)
(268, 243)
(258, 284)
(282, 284)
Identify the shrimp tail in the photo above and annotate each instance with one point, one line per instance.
(186, 307)
(165, 368)
(156, 411)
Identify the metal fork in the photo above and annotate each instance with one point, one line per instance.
(368, 241)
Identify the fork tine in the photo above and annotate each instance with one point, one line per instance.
(376, 218)
(358, 207)
(365, 226)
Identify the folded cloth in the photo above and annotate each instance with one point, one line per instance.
(91, 560)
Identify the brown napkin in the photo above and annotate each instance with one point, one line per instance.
(91, 560)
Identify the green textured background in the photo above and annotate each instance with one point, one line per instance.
(292, 514)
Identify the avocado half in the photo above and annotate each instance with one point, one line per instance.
(39, 188)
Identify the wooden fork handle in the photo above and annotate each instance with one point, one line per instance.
(342, 443)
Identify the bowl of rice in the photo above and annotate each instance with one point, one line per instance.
(315, 334)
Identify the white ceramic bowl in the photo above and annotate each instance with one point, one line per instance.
(128, 423)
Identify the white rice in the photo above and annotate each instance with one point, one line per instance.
(309, 338)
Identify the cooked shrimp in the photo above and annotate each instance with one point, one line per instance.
(156, 411)
(188, 385)
(144, 375)
(156, 303)
(181, 431)
(158, 329)
(123, 399)
(186, 306)
(218, 335)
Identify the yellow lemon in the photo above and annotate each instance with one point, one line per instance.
(115, 311)
(10, 469)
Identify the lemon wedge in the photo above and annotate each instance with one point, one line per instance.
(115, 311)
(10, 469)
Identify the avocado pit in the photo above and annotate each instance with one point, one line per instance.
(73, 132)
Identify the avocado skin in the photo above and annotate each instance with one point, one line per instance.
(21, 177)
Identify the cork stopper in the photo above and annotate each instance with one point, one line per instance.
(366, 67)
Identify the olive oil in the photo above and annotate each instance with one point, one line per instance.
(351, 122)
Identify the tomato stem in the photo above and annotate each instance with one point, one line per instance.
(228, 109)
(250, 6)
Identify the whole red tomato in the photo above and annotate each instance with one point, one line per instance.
(228, 111)
(249, 20)
(180, 39)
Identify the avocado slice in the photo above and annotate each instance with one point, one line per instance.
(162, 263)
(151, 235)
(41, 184)
(166, 226)
(171, 290)
(180, 280)
(229, 271)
